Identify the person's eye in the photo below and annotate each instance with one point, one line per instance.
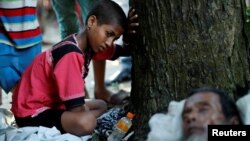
(109, 34)
(185, 113)
(184, 117)
(203, 109)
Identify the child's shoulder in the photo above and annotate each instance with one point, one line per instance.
(68, 44)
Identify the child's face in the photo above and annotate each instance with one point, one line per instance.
(102, 36)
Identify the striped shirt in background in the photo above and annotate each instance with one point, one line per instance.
(19, 26)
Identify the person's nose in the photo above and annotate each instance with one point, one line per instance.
(191, 117)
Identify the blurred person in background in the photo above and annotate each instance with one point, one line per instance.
(20, 40)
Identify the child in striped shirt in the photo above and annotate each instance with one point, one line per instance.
(20, 40)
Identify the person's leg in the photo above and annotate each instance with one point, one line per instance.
(9, 75)
(77, 123)
(66, 16)
(96, 106)
(13, 63)
(10, 78)
(83, 123)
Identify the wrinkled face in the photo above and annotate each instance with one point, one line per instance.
(102, 36)
(200, 110)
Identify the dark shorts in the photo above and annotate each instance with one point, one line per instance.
(48, 118)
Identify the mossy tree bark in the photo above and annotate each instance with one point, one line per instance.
(183, 44)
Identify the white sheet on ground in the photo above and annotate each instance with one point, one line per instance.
(10, 133)
(37, 134)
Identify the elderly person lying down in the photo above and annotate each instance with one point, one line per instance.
(204, 106)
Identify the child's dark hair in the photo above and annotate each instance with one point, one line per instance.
(228, 106)
(108, 12)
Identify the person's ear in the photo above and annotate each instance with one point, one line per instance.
(92, 20)
(235, 120)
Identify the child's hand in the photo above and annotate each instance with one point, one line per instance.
(132, 25)
(132, 21)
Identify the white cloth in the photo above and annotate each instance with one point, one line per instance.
(243, 105)
(37, 134)
(167, 127)
(6, 118)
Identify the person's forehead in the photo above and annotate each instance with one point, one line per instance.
(203, 97)
(114, 27)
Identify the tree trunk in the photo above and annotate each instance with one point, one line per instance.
(183, 44)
